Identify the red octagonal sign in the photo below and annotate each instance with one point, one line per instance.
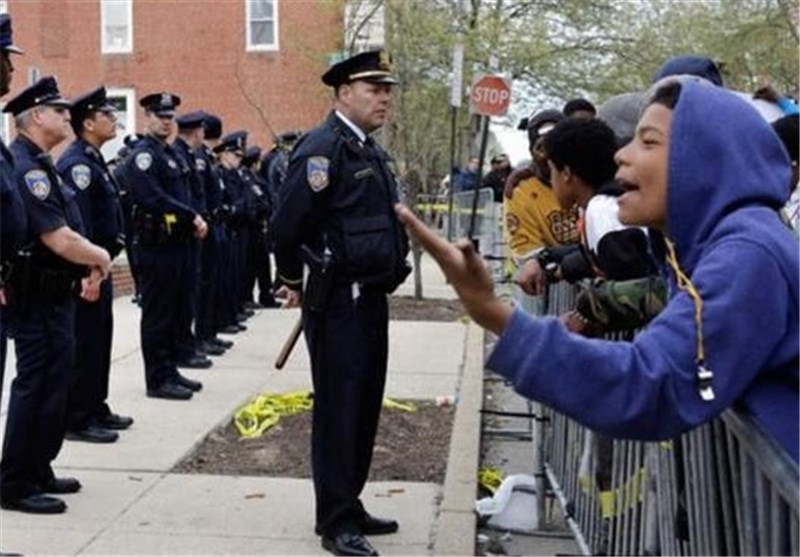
(491, 95)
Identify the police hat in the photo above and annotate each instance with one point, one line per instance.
(289, 137)
(234, 142)
(160, 104)
(213, 126)
(251, 155)
(191, 120)
(84, 105)
(373, 66)
(43, 92)
(6, 42)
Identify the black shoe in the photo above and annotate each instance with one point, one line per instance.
(241, 318)
(226, 344)
(62, 485)
(241, 327)
(211, 349)
(231, 329)
(187, 383)
(92, 434)
(372, 526)
(114, 421)
(348, 543)
(36, 504)
(170, 391)
(196, 362)
(271, 304)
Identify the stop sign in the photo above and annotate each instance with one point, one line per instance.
(491, 95)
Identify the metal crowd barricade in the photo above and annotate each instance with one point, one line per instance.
(725, 488)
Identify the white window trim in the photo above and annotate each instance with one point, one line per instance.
(250, 47)
(110, 50)
(130, 123)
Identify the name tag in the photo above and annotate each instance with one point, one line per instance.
(363, 173)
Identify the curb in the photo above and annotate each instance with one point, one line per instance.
(456, 524)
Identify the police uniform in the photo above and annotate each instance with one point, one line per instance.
(13, 221)
(189, 352)
(163, 228)
(120, 174)
(258, 268)
(43, 285)
(337, 209)
(83, 168)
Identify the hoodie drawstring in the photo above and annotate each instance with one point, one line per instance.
(704, 375)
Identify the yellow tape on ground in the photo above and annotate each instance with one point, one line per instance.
(397, 405)
(490, 478)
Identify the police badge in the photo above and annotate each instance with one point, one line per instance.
(317, 173)
(38, 183)
(81, 176)
(144, 161)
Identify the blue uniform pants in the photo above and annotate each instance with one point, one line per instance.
(348, 392)
(37, 408)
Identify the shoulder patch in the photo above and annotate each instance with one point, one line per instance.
(81, 176)
(317, 173)
(200, 164)
(38, 183)
(144, 160)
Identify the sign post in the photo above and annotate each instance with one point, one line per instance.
(490, 96)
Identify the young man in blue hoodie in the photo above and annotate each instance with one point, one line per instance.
(729, 332)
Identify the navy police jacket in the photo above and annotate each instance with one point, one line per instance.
(157, 182)
(13, 219)
(49, 204)
(339, 195)
(84, 170)
(190, 168)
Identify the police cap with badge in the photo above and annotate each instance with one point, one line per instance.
(6, 41)
(235, 142)
(42, 93)
(85, 105)
(373, 66)
(161, 104)
(213, 126)
(251, 155)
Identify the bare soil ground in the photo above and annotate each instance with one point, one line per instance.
(409, 446)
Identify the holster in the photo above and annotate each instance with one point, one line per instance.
(320, 280)
(31, 282)
(154, 230)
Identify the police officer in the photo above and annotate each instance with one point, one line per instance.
(191, 353)
(119, 171)
(336, 214)
(209, 322)
(164, 222)
(258, 268)
(13, 219)
(44, 284)
(83, 168)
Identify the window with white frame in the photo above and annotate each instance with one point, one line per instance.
(125, 102)
(116, 26)
(262, 24)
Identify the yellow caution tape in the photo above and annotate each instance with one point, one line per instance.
(266, 410)
(169, 220)
(490, 478)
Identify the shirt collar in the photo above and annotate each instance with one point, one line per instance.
(362, 137)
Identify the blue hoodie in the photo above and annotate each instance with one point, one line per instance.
(727, 179)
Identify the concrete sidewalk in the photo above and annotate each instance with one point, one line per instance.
(132, 504)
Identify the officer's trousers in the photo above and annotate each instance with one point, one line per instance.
(187, 342)
(45, 348)
(94, 330)
(207, 303)
(164, 289)
(348, 391)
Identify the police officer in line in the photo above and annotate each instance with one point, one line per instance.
(55, 263)
(119, 171)
(275, 163)
(164, 223)
(83, 168)
(258, 269)
(336, 215)
(191, 354)
(230, 152)
(211, 255)
(13, 220)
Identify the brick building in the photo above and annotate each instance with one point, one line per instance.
(255, 63)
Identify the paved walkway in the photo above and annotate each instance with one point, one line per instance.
(132, 504)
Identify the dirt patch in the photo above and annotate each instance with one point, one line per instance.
(408, 308)
(410, 446)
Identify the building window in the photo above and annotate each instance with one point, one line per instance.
(125, 101)
(262, 24)
(116, 25)
(3, 7)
